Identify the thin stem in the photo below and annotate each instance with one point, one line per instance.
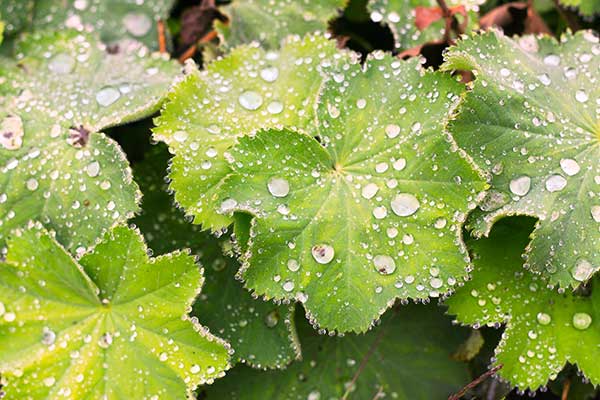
(162, 40)
(565, 391)
(476, 382)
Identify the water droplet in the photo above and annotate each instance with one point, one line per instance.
(288, 286)
(380, 212)
(250, 100)
(582, 270)
(11, 132)
(545, 79)
(582, 321)
(293, 265)
(163, 356)
(48, 336)
(552, 59)
(278, 187)
(228, 205)
(61, 63)
(323, 253)
(49, 381)
(399, 164)
(569, 166)
(275, 107)
(32, 184)
(105, 340)
(361, 103)
(385, 265)
(272, 319)
(543, 318)
(369, 190)
(555, 183)
(595, 210)
(137, 24)
(93, 169)
(107, 96)
(270, 74)
(405, 204)
(436, 282)
(392, 131)
(195, 369)
(180, 136)
(581, 96)
(521, 185)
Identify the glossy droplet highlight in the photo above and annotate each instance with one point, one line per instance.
(385, 265)
(595, 211)
(278, 187)
(569, 166)
(250, 100)
(61, 64)
(582, 321)
(137, 24)
(405, 204)
(520, 186)
(107, 96)
(323, 253)
(269, 74)
(369, 190)
(11, 132)
(543, 318)
(555, 183)
(582, 270)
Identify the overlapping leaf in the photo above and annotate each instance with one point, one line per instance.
(248, 90)
(112, 325)
(401, 17)
(366, 213)
(544, 329)
(406, 358)
(114, 20)
(586, 8)
(55, 166)
(262, 334)
(269, 22)
(16, 15)
(532, 121)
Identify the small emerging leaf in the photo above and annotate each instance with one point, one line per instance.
(544, 329)
(112, 325)
(532, 120)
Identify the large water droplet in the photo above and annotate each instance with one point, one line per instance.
(137, 24)
(582, 321)
(582, 270)
(293, 265)
(405, 204)
(288, 286)
(392, 131)
(32, 184)
(369, 190)
(275, 107)
(61, 63)
(521, 185)
(270, 74)
(250, 100)
(543, 318)
(11, 132)
(107, 96)
(323, 253)
(278, 187)
(105, 340)
(48, 336)
(272, 319)
(195, 369)
(555, 183)
(581, 96)
(93, 169)
(569, 166)
(385, 265)
(552, 59)
(595, 210)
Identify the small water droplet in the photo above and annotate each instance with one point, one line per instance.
(32, 184)
(278, 187)
(48, 336)
(293, 265)
(582, 270)
(105, 340)
(521, 185)
(288, 286)
(595, 210)
(250, 100)
(545, 79)
(392, 131)
(569, 166)
(93, 169)
(275, 107)
(582, 321)
(543, 318)
(581, 96)
(180, 136)
(369, 190)
(405, 204)
(61, 64)
(269, 74)
(272, 319)
(11, 132)
(195, 369)
(552, 60)
(323, 253)
(385, 265)
(107, 96)
(361, 103)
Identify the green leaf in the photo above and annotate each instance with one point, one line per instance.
(205, 113)
(587, 8)
(112, 325)
(263, 334)
(15, 14)
(544, 329)
(369, 212)
(400, 17)
(55, 165)
(115, 20)
(248, 19)
(531, 119)
(406, 358)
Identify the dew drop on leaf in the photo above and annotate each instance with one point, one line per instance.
(323, 253)
(278, 187)
(137, 24)
(272, 319)
(569, 166)
(582, 321)
(250, 100)
(555, 183)
(107, 96)
(48, 336)
(61, 64)
(582, 270)
(520, 186)
(595, 210)
(293, 265)
(369, 190)
(405, 204)
(543, 318)
(269, 74)
(11, 132)
(385, 265)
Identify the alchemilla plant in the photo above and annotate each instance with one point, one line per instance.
(304, 200)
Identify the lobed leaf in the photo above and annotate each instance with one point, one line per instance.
(112, 325)
(248, 20)
(587, 8)
(531, 120)
(263, 334)
(544, 329)
(248, 90)
(15, 14)
(55, 165)
(406, 358)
